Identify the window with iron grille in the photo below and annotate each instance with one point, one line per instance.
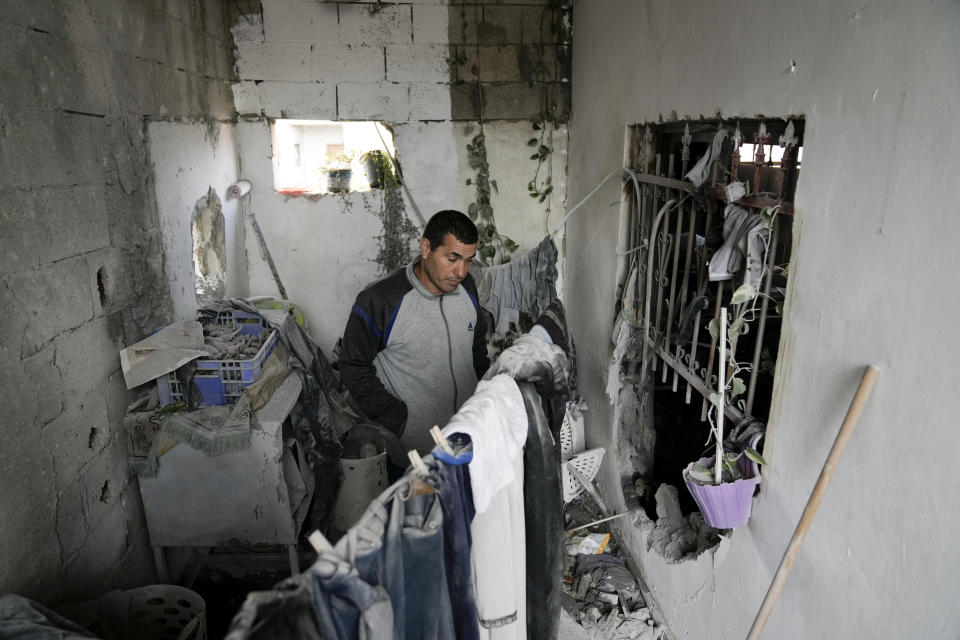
(708, 211)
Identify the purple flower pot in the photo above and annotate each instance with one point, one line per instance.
(726, 505)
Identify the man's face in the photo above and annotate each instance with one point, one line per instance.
(443, 268)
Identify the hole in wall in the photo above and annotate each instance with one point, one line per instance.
(105, 492)
(693, 258)
(102, 285)
(92, 438)
(209, 248)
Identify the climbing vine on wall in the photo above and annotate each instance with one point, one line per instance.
(399, 233)
(491, 242)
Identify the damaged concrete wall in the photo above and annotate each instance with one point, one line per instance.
(188, 160)
(409, 65)
(873, 264)
(81, 269)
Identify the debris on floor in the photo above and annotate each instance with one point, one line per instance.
(601, 592)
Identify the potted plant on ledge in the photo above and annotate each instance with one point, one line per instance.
(339, 171)
(723, 485)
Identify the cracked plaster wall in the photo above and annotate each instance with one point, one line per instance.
(82, 268)
(874, 261)
(394, 63)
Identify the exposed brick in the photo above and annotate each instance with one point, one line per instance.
(430, 24)
(298, 21)
(373, 101)
(375, 24)
(417, 63)
(351, 63)
(78, 435)
(464, 101)
(501, 25)
(52, 299)
(429, 101)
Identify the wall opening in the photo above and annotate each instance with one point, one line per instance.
(209, 248)
(728, 232)
(321, 156)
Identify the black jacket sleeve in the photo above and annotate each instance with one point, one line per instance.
(361, 343)
(481, 360)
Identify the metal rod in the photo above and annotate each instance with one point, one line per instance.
(713, 346)
(684, 288)
(596, 522)
(771, 253)
(698, 383)
(672, 302)
(813, 504)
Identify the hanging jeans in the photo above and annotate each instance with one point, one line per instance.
(396, 545)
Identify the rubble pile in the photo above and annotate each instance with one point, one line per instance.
(602, 594)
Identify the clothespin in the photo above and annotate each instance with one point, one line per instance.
(417, 462)
(318, 542)
(440, 440)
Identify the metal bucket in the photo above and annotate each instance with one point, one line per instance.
(364, 478)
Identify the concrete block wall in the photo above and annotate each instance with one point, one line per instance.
(406, 64)
(82, 268)
(412, 60)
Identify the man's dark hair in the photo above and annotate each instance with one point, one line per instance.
(450, 221)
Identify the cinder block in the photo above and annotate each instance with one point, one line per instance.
(87, 356)
(375, 24)
(17, 82)
(290, 61)
(350, 63)
(537, 25)
(78, 435)
(537, 62)
(51, 299)
(373, 101)
(87, 572)
(41, 14)
(499, 64)
(298, 21)
(429, 101)
(464, 101)
(248, 28)
(501, 25)
(559, 107)
(40, 369)
(308, 100)
(464, 24)
(516, 101)
(418, 63)
(430, 24)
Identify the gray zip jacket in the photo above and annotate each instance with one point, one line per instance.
(411, 357)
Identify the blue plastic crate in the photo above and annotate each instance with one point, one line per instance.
(223, 381)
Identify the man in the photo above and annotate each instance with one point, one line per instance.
(415, 345)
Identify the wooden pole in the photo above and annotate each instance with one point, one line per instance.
(810, 511)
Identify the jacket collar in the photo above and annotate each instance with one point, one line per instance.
(421, 288)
